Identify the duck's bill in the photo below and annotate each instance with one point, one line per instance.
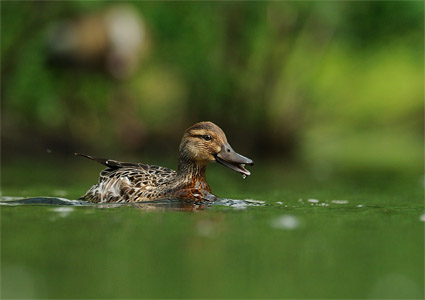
(229, 158)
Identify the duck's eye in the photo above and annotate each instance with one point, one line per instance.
(207, 137)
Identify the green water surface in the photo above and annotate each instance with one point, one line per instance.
(318, 235)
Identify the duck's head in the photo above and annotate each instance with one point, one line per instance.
(205, 142)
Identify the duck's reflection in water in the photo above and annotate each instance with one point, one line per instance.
(166, 205)
(180, 205)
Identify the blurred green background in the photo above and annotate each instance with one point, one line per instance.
(333, 85)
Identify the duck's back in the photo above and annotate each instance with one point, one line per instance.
(127, 182)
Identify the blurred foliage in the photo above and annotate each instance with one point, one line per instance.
(325, 82)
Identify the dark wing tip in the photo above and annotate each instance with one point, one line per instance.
(108, 162)
(102, 161)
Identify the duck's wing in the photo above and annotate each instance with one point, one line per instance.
(127, 182)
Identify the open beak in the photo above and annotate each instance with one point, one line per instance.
(229, 158)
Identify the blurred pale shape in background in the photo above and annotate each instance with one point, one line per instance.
(114, 39)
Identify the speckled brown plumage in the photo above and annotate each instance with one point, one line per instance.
(201, 144)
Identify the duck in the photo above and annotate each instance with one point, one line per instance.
(202, 143)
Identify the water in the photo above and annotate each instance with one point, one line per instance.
(291, 236)
(166, 204)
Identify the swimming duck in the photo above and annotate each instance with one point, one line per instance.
(202, 144)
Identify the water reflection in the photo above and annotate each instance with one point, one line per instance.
(166, 205)
(158, 205)
(40, 201)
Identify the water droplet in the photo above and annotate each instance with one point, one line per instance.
(339, 201)
(243, 176)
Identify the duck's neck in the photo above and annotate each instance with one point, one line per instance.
(189, 169)
(191, 180)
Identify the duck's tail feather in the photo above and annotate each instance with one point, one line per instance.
(108, 162)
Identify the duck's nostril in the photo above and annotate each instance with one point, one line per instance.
(228, 150)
